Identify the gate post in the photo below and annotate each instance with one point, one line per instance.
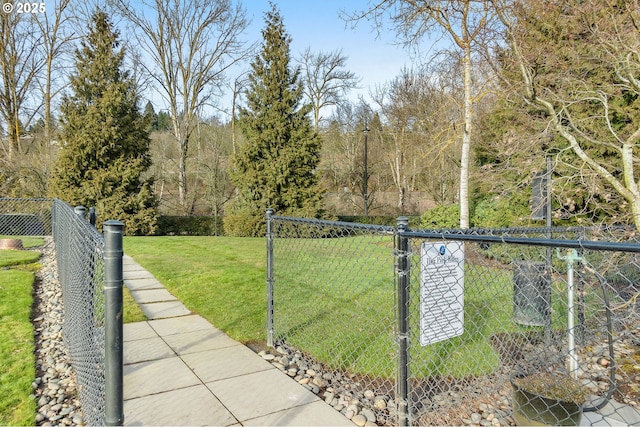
(269, 278)
(80, 211)
(93, 216)
(113, 366)
(403, 281)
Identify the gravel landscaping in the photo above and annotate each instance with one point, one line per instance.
(54, 387)
(481, 401)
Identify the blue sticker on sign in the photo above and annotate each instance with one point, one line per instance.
(443, 249)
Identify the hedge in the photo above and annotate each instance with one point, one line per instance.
(189, 226)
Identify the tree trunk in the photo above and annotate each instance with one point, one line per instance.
(182, 172)
(47, 102)
(13, 132)
(399, 178)
(635, 208)
(466, 139)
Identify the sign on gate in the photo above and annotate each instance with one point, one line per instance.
(441, 291)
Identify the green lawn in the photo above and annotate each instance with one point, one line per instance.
(9, 258)
(131, 310)
(330, 301)
(220, 278)
(16, 340)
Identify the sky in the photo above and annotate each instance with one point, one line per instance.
(373, 57)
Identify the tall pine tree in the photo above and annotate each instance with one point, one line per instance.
(276, 166)
(105, 139)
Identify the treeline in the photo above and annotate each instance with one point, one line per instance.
(465, 129)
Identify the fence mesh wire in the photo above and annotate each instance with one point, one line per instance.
(79, 254)
(519, 340)
(489, 328)
(25, 217)
(334, 300)
(79, 251)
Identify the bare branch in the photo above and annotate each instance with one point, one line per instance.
(191, 47)
(325, 81)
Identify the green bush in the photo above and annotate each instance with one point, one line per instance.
(189, 226)
(441, 216)
(245, 222)
(501, 212)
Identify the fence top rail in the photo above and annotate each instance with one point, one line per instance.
(84, 226)
(530, 230)
(485, 235)
(555, 243)
(385, 229)
(28, 199)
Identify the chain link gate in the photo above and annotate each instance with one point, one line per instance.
(468, 317)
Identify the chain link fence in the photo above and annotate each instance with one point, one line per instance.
(482, 327)
(25, 217)
(333, 299)
(79, 253)
(80, 256)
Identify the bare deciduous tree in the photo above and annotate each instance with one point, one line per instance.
(20, 65)
(464, 22)
(56, 37)
(325, 81)
(191, 46)
(420, 120)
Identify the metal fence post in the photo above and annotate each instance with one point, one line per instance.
(113, 280)
(269, 278)
(403, 280)
(80, 211)
(93, 216)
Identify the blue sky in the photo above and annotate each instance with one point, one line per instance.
(374, 58)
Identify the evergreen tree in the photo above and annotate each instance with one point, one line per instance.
(276, 166)
(163, 121)
(105, 141)
(150, 117)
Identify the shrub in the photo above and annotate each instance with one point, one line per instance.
(189, 225)
(441, 216)
(243, 222)
(501, 212)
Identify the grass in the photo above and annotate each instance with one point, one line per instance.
(131, 311)
(331, 301)
(16, 340)
(222, 279)
(10, 258)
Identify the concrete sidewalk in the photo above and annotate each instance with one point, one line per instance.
(180, 370)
